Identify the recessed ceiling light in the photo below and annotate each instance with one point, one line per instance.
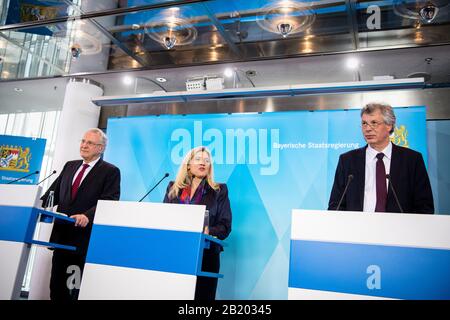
(18, 89)
(161, 79)
(127, 80)
(228, 72)
(352, 63)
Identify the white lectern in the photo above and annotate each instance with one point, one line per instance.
(357, 255)
(142, 250)
(19, 214)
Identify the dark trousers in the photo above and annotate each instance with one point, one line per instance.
(207, 286)
(64, 270)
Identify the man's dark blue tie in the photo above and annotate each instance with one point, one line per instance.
(381, 184)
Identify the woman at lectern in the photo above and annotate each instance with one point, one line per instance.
(194, 184)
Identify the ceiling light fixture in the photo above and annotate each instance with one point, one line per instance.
(422, 10)
(161, 79)
(18, 89)
(75, 50)
(171, 29)
(127, 80)
(286, 17)
(352, 63)
(429, 12)
(228, 72)
(89, 44)
(81, 42)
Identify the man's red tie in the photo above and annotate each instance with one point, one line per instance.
(381, 184)
(76, 183)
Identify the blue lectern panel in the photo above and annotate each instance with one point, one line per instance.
(149, 249)
(16, 223)
(373, 270)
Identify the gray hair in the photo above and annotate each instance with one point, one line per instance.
(102, 135)
(386, 110)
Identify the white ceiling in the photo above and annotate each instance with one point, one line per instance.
(36, 95)
(48, 94)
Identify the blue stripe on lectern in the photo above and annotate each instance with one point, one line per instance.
(149, 249)
(405, 272)
(16, 223)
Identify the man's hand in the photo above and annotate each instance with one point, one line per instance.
(80, 220)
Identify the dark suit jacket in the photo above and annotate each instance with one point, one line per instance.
(101, 183)
(218, 204)
(408, 177)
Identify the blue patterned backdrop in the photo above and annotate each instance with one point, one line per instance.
(272, 163)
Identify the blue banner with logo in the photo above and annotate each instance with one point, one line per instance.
(271, 162)
(19, 157)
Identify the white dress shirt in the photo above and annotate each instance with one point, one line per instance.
(370, 187)
(88, 169)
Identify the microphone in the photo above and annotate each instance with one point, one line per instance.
(388, 176)
(165, 176)
(33, 173)
(54, 171)
(349, 179)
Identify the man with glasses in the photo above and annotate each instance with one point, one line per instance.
(374, 177)
(76, 192)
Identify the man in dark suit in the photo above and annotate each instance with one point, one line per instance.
(380, 170)
(76, 192)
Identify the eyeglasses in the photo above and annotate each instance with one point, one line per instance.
(197, 160)
(90, 143)
(373, 124)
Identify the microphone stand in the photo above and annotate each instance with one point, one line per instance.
(349, 179)
(165, 176)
